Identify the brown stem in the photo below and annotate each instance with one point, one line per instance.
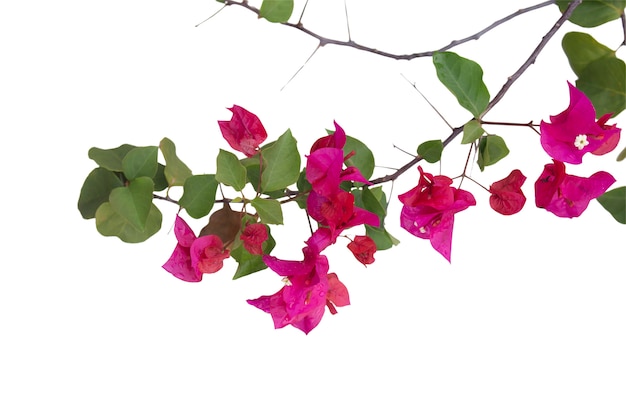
(351, 44)
(533, 56)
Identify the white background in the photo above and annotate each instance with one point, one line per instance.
(529, 319)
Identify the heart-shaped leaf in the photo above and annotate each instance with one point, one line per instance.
(110, 223)
(140, 162)
(96, 190)
(199, 195)
(133, 202)
(176, 172)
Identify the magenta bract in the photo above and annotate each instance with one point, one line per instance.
(568, 195)
(429, 209)
(244, 132)
(194, 256)
(302, 301)
(575, 131)
(506, 195)
(363, 249)
(336, 140)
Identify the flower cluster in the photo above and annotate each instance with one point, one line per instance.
(309, 287)
(428, 210)
(570, 135)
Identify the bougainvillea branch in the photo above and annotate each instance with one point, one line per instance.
(335, 188)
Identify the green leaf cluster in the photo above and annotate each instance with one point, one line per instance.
(118, 194)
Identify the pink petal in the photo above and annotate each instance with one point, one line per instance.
(184, 235)
(244, 132)
(337, 291)
(323, 169)
(179, 265)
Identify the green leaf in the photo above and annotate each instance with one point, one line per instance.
(160, 182)
(363, 157)
(176, 172)
(491, 149)
(133, 202)
(110, 223)
(96, 190)
(614, 202)
(269, 211)
(276, 11)
(249, 263)
(199, 195)
(591, 13)
(230, 171)
(374, 200)
(383, 239)
(582, 49)
(140, 162)
(252, 171)
(281, 164)
(110, 159)
(622, 155)
(431, 150)
(472, 131)
(464, 79)
(604, 82)
(303, 186)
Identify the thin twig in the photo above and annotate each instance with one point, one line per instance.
(301, 67)
(351, 44)
(429, 103)
(533, 56)
(214, 14)
(345, 7)
(302, 14)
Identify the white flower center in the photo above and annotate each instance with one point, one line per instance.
(581, 141)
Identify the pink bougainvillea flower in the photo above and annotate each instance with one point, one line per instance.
(575, 131)
(208, 254)
(428, 210)
(568, 195)
(338, 212)
(244, 132)
(336, 140)
(194, 256)
(302, 301)
(324, 170)
(506, 195)
(253, 237)
(363, 249)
